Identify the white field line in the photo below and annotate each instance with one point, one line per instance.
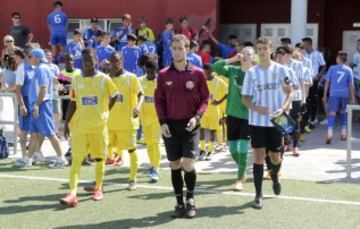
(304, 199)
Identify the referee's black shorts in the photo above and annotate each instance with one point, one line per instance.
(182, 143)
(266, 137)
(237, 128)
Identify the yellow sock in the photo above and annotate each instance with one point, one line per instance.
(156, 154)
(99, 174)
(133, 165)
(211, 147)
(202, 145)
(150, 150)
(74, 174)
(111, 153)
(119, 152)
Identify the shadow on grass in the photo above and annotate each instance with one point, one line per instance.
(165, 217)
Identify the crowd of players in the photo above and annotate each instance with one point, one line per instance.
(111, 79)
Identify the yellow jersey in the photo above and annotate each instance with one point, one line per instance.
(217, 89)
(146, 32)
(91, 95)
(148, 114)
(121, 115)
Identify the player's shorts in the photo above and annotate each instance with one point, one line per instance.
(95, 144)
(24, 121)
(336, 104)
(152, 133)
(56, 106)
(58, 39)
(181, 143)
(210, 122)
(122, 139)
(266, 137)
(237, 128)
(44, 124)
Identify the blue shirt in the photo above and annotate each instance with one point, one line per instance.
(57, 21)
(89, 35)
(104, 53)
(194, 59)
(75, 49)
(340, 77)
(131, 59)
(28, 77)
(166, 48)
(43, 76)
(122, 34)
(225, 50)
(148, 47)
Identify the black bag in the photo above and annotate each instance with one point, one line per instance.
(4, 150)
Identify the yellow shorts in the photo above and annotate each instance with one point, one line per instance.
(95, 144)
(122, 139)
(210, 122)
(152, 133)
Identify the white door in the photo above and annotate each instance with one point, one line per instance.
(349, 42)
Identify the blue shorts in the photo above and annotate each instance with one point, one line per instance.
(336, 104)
(58, 39)
(44, 124)
(24, 121)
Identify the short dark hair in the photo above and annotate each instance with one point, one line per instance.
(117, 53)
(76, 32)
(232, 37)
(285, 40)
(307, 39)
(169, 21)
(207, 66)
(280, 50)
(183, 19)
(342, 55)
(20, 53)
(247, 44)
(264, 40)
(94, 20)
(142, 38)
(88, 51)
(288, 49)
(68, 56)
(13, 14)
(58, 3)
(299, 45)
(204, 43)
(151, 64)
(103, 33)
(131, 37)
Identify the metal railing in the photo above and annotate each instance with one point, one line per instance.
(13, 122)
(350, 139)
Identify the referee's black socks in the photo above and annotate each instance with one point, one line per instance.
(275, 170)
(258, 172)
(178, 184)
(190, 181)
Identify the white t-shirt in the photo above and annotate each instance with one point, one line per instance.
(20, 75)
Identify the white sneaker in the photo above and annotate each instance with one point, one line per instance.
(131, 186)
(23, 163)
(59, 163)
(324, 122)
(38, 157)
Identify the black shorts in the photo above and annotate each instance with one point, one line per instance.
(266, 137)
(181, 143)
(237, 128)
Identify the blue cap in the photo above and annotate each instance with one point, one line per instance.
(40, 54)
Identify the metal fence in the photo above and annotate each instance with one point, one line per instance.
(350, 139)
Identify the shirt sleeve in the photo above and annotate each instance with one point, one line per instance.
(41, 76)
(328, 74)
(151, 35)
(247, 88)
(221, 68)
(321, 59)
(350, 78)
(20, 75)
(204, 94)
(136, 85)
(160, 100)
(110, 88)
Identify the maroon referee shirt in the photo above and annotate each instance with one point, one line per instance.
(181, 95)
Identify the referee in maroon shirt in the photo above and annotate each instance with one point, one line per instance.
(181, 98)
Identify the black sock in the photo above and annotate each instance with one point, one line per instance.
(178, 184)
(296, 136)
(190, 180)
(268, 162)
(275, 171)
(258, 171)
